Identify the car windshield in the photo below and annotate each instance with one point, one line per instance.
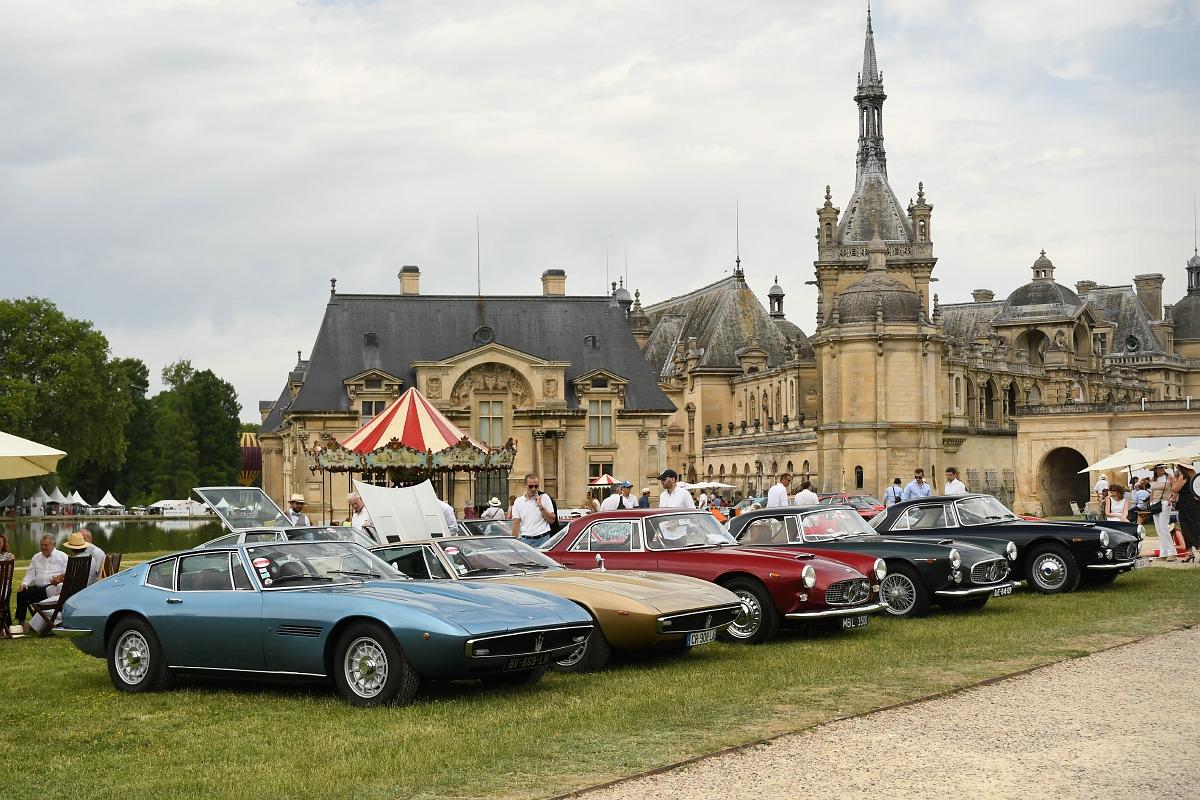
(828, 525)
(679, 531)
(330, 533)
(494, 556)
(863, 501)
(292, 565)
(982, 509)
(487, 527)
(242, 507)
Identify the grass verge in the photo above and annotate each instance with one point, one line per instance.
(238, 740)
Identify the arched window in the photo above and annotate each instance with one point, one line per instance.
(958, 393)
(710, 471)
(1034, 396)
(753, 409)
(805, 469)
(858, 477)
(828, 233)
(789, 469)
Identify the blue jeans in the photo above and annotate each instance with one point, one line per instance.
(536, 541)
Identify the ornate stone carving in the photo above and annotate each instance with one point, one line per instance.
(550, 388)
(433, 387)
(491, 378)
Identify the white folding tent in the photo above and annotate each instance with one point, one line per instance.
(77, 499)
(56, 496)
(108, 501)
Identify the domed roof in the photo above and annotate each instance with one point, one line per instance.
(859, 301)
(1186, 316)
(776, 290)
(1043, 293)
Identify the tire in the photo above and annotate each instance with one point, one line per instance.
(762, 625)
(1093, 578)
(1051, 569)
(370, 669)
(969, 603)
(904, 587)
(592, 655)
(529, 677)
(135, 658)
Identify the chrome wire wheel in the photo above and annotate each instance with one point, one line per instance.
(574, 657)
(899, 592)
(366, 667)
(749, 621)
(1050, 571)
(132, 657)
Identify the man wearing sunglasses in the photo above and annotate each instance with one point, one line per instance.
(533, 513)
(917, 487)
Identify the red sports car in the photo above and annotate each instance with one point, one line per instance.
(866, 505)
(776, 587)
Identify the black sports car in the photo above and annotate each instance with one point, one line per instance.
(1053, 556)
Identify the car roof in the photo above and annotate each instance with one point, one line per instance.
(779, 510)
(936, 498)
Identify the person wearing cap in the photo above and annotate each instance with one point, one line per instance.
(644, 500)
(620, 500)
(673, 496)
(777, 495)
(494, 510)
(295, 515)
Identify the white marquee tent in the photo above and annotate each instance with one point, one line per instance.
(56, 496)
(109, 501)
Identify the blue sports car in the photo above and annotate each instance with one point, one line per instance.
(317, 610)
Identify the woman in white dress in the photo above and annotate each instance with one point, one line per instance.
(1160, 492)
(1116, 507)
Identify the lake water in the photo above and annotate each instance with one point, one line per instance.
(117, 536)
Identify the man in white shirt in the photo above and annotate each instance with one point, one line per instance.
(777, 495)
(702, 501)
(806, 496)
(448, 513)
(917, 487)
(294, 515)
(532, 513)
(672, 536)
(953, 484)
(620, 500)
(1102, 488)
(46, 569)
(493, 511)
(358, 510)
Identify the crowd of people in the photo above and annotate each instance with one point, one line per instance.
(1150, 500)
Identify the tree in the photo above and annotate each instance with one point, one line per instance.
(58, 385)
(177, 463)
(214, 410)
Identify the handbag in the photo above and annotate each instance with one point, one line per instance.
(1132, 515)
(1156, 508)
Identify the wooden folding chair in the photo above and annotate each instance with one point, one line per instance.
(79, 568)
(111, 565)
(6, 579)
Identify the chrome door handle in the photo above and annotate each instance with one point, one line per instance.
(174, 600)
(568, 563)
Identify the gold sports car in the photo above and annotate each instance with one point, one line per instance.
(633, 610)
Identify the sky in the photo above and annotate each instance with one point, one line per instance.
(190, 175)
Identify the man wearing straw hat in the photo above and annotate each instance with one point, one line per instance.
(295, 515)
(494, 510)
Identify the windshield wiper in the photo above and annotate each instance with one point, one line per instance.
(484, 570)
(353, 573)
(534, 564)
(317, 578)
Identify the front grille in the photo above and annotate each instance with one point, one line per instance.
(540, 640)
(298, 630)
(1125, 552)
(699, 620)
(848, 592)
(989, 571)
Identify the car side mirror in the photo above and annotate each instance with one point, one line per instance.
(600, 562)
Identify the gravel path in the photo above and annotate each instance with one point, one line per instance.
(1086, 728)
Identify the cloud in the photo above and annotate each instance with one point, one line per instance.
(191, 175)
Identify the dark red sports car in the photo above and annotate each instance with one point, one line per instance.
(777, 587)
(866, 505)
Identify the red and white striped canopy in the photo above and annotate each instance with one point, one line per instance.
(414, 421)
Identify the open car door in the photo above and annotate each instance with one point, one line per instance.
(242, 507)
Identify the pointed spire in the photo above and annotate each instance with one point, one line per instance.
(870, 75)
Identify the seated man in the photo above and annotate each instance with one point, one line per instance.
(46, 569)
(97, 555)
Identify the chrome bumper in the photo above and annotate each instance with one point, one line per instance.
(1117, 565)
(976, 591)
(837, 612)
(71, 633)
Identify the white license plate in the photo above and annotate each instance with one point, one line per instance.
(701, 637)
(855, 622)
(1002, 591)
(1142, 562)
(527, 662)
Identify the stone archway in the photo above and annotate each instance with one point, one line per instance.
(1060, 482)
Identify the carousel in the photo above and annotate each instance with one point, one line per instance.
(410, 441)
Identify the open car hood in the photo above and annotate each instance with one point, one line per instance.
(404, 514)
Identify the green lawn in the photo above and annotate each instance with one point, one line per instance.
(233, 740)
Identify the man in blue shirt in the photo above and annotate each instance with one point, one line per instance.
(893, 493)
(918, 487)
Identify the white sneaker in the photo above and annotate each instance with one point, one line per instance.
(15, 629)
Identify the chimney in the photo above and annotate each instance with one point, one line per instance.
(554, 282)
(983, 295)
(1083, 287)
(1149, 291)
(410, 280)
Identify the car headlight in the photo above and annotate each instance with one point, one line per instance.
(1011, 551)
(1103, 538)
(955, 558)
(1141, 534)
(810, 576)
(880, 569)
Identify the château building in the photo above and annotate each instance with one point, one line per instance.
(1019, 393)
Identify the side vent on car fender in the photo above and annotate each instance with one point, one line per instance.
(298, 630)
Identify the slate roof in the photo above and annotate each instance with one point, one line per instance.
(723, 317)
(1119, 305)
(966, 322)
(1186, 316)
(412, 328)
(858, 301)
(274, 420)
